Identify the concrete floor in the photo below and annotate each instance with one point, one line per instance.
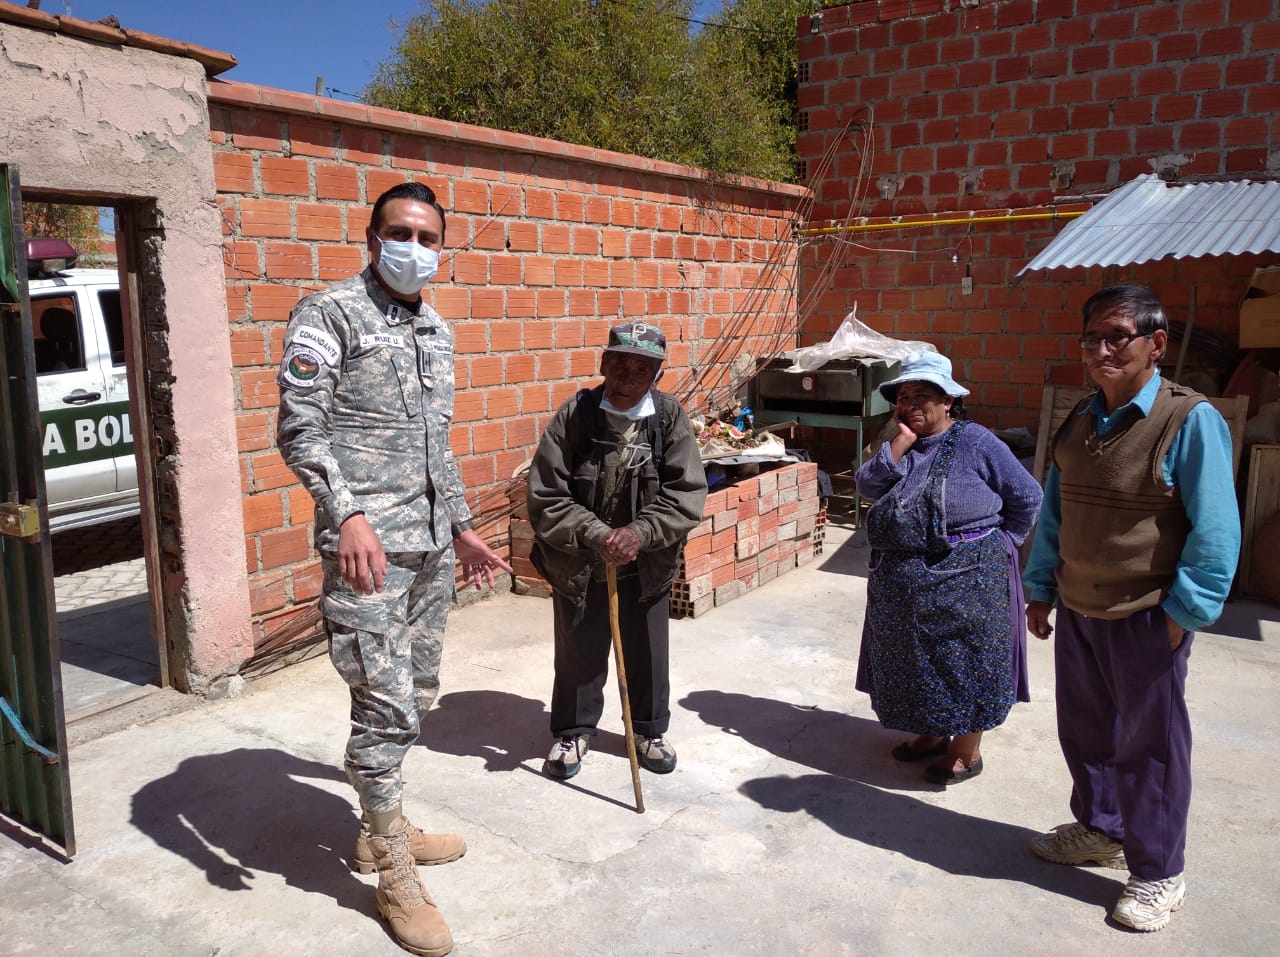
(103, 617)
(108, 654)
(222, 827)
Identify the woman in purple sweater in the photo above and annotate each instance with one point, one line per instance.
(944, 642)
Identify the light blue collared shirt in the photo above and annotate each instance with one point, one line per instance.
(1199, 464)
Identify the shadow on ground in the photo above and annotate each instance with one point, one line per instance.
(112, 638)
(503, 729)
(848, 558)
(850, 796)
(251, 810)
(1242, 618)
(937, 836)
(508, 732)
(81, 549)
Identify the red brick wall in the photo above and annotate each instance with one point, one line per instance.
(997, 108)
(547, 246)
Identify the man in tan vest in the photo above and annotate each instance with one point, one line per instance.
(1137, 545)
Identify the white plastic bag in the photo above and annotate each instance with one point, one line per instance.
(854, 338)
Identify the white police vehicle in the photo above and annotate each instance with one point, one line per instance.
(90, 473)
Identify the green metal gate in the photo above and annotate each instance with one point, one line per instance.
(35, 788)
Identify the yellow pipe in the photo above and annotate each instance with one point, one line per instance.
(916, 224)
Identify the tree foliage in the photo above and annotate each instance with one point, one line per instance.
(624, 75)
(78, 225)
(749, 61)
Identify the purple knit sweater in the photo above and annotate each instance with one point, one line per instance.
(986, 486)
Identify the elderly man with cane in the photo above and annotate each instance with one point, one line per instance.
(616, 485)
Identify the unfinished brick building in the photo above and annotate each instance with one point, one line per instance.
(959, 130)
(548, 245)
(964, 131)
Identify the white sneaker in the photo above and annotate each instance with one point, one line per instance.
(1148, 905)
(1076, 844)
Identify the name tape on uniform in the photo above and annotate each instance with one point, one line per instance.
(382, 339)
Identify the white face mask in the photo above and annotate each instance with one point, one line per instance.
(407, 266)
(640, 410)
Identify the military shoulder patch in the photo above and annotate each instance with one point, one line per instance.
(301, 368)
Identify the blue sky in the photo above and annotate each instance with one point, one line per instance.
(280, 43)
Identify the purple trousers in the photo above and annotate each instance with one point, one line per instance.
(1126, 735)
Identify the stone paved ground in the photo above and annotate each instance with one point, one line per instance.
(102, 560)
(95, 586)
(104, 634)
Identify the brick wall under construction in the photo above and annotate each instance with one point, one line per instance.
(752, 531)
(946, 141)
(548, 245)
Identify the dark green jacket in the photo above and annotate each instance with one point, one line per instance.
(662, 501)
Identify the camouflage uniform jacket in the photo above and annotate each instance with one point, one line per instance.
(661, 502)
(366, 399)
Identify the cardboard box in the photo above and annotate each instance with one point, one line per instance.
(1260, 310)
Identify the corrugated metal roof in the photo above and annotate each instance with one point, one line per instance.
(1150, 219)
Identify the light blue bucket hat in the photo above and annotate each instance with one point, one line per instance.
(931, 367)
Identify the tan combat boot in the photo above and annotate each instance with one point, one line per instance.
(402, 900)
(427, 849)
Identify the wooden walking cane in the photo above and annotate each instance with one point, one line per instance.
(616, 628)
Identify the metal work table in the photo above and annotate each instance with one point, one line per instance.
(843, 394)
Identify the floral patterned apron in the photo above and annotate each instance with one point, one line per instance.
(935, 646)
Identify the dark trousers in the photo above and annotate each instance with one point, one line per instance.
(583, 645)
(1126, 735)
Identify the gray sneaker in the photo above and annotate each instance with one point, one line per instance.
(1076, 844)
(656, 754)
(1148, 905)
(565, 758)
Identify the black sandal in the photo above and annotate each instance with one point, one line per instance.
(905, 752)
(945, 775)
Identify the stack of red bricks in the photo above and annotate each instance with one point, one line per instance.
(752, 532)
(526, 580)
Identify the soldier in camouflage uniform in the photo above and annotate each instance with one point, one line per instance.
(366, 398)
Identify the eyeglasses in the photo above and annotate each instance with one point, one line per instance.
(1113, 343)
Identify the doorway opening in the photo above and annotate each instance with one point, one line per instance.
(97, 480)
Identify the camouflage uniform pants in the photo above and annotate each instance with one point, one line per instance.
(387, 646)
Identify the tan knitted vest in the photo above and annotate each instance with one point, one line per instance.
(1123, 527)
